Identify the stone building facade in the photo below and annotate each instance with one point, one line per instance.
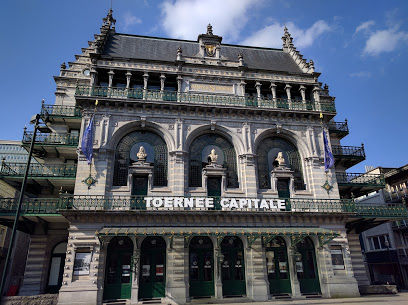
(207, 177)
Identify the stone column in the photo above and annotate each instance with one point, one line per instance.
(162, 80)
(219, 258)
(176, 288)
(145, 79)
(287, 88)
(128, 77)
(292, 250)
(94, 77)
(302, 90)
(258, 89)
(256, 272)
(179, 85)
(273, 89)
(110, 74)
(316, 97)
(357, 260)
(242, 84)
(136, 270)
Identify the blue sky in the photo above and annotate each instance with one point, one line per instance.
(360, 47)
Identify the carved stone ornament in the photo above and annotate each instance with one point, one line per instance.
(141, 155)
(210, 50)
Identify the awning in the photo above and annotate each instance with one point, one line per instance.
(296, 233)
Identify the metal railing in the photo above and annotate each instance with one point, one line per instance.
(17, 170)
(117, 203)
(348, 151)
(377, 180)
(205, 99)
(63, 139)
(338, 127)
(60, 111)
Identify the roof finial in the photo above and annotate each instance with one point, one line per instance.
(209, 29)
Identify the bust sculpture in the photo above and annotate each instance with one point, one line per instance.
(281, 161)
(212, 157)
(141, 155)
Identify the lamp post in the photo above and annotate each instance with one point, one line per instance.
(36, 121)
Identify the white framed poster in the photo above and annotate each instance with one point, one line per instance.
(82, 263)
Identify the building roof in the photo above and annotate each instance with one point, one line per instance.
(162, 49)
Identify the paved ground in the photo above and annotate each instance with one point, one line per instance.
(398, 299)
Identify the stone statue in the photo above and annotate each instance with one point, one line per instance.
(213, 156)
(141, 155)
(280, 160)
(209, 29)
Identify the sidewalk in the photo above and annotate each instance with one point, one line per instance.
(398, 299)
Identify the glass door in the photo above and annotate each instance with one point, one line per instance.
(306, 267)
(278, 267)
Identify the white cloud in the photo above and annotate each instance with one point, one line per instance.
(270, 36)
(364, 26)
(130, 20)
(361, 74)
(384, 41)
(185, 19)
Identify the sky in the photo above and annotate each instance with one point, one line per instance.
(360, 47)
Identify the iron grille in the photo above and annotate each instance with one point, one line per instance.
(196, 165)
(122, 157)
(295, 163)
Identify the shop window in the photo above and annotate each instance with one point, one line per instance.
(337, 257)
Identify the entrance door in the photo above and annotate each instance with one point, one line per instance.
(306, 267)
(214, 190)
(277, 267)
(283, 188)
(233, 268)
(56, 268)
(201, 267)
(152, 283)
(118, 274)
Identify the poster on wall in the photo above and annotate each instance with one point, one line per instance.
(282, 267)
(146, 270)
(82, 263)
(299, 267)
(159, 270)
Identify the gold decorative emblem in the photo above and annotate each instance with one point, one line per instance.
(210, 49)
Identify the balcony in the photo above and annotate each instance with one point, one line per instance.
(359, 184)
(203, 99)
(51, 139)
(339, 129)
(132, 203)
(38, 171)
(61, 112)
(348, 156)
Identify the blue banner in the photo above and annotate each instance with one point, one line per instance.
(87, 141)
(328, 156)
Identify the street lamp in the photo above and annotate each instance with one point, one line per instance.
(36, 121)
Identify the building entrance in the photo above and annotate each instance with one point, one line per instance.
(152, 283)
(201, 267)
(277, 267)
(232, 268)
(118, 275)
(306, 267)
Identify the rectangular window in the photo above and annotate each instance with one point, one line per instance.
(82, 261)
(379, 242)
(337, 257)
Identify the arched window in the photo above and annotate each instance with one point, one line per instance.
(56, 267)
(126, 149)
(268, 150)
(197, 163)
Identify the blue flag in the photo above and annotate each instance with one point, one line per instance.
(328, 156)
(87, 141)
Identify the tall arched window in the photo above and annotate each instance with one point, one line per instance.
(267, 151)
(197, 163)
(123, 157)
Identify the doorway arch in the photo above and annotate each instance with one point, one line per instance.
(152, 279)
(233, 267)
(306, 267)
(118, 274)
(201, 267)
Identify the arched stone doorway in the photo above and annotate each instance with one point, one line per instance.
(152, 279)
(306, 267)
(201, 265)
(233, 268)
(56, 268)
(118, 274)
(277, 267)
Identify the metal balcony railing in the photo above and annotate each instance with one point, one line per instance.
(53, 139)
(204, 99)
(338, 127)
(59, 171)
(125, 203)
(348, 151)
(60, 111)
(375, 180)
